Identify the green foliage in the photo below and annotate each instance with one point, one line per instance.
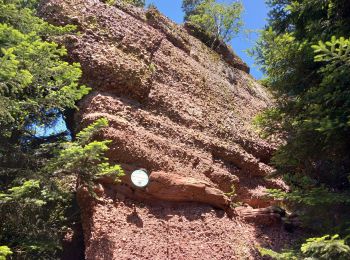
(34, 80)
(21, 15)
(33, 218)
(269, 122)
(138, 3)
(152, 67)
(36, 88)
(285, 255)
(335, 51)
(35, 84)
(311, 197)
(33, 213)
(222, 21)
(189, 7)
(326, 247)
(85, 135)
(151, 6)
(4, 252)
(306, 61)
(304, 52)
(37, 173)
(232, 193)
(306, 191)
(110, 2)
(322, 248)
(85, 157)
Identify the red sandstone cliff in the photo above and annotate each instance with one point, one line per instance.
(183, 112)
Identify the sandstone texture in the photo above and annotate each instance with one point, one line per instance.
(183, 112)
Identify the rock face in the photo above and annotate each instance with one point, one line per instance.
(176, 108)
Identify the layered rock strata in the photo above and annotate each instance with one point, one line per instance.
(175, 107)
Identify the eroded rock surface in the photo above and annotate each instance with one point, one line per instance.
(176, 108)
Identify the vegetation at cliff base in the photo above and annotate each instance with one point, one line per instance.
(323, 248)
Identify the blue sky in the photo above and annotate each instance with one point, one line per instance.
(254, 17)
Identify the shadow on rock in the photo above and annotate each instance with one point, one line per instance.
(135, 219)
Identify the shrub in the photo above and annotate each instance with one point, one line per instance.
(326, 248)
(138, 3)
(321, 248)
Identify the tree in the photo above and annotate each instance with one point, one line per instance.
(312, 90)
(32, 215)
(304, 52)
(325, 248)
(221, 21)
(84, 158)
(189, 7)
(37, 87)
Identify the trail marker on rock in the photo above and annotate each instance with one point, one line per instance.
(140, 178)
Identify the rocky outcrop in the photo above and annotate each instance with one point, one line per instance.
(225, 51)
(176, 108)
(172, 187)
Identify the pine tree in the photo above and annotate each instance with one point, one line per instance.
(37, 87)
(304, 52)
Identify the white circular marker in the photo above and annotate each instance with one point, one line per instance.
(140, 178)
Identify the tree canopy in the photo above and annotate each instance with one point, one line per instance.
(189, 7)
(305, 57)
(305, 54)
(220, 20)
